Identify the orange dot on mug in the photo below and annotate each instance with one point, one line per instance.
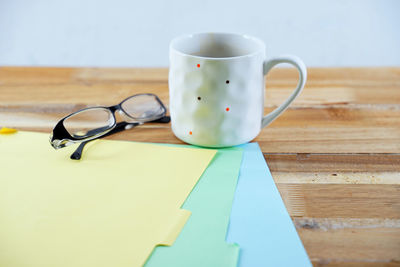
(227, 109)
(190, 132)
(198, 65)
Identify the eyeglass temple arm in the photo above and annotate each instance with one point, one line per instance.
(118, 128)
(165, 119)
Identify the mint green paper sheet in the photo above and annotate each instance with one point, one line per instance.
(202, 240)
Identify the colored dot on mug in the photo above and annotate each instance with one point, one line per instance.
(227, 81)
(198, 98)
(190, 132)
(198, 65)
(227, 109)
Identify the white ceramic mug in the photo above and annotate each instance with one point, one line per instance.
(216, 88)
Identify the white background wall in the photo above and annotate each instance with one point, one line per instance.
(137, 33)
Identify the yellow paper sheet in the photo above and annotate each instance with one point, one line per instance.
(109, 209)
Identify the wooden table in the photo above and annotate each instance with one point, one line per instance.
(334, 154)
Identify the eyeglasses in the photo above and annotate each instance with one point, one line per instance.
(92, 123)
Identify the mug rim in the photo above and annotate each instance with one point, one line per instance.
(261, 44)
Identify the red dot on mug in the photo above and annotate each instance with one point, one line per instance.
(227, 109)
(198, 65)
(190, 132)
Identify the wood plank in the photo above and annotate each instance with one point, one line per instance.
(296, 131)
(80, 94)
(325, 87)
(71, 99)
(60, 75)
(320, 76)
(333, 163)
(351, 240)
(337, 87)
(337, 177)
(341, 200)
(268, 142)
(336, 263)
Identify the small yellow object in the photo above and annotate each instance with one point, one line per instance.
(6, 130)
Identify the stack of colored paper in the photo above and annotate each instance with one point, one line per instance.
(135, 204)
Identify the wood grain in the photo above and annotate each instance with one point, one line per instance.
(341, 263)
(317, 162)
(341, 200)
(361, 244)
(296, 131)
(351, 242)
(334, 154)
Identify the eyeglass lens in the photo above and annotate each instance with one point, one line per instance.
(89, 122)
(143, 107)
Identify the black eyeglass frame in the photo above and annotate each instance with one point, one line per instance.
(60, 137)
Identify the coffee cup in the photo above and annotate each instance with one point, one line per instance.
(216, 88)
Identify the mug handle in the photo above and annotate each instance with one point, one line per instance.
(299, 65)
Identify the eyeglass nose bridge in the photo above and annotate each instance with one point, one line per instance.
(113, 109)
(118, 108)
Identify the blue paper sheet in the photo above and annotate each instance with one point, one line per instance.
(259, 221)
